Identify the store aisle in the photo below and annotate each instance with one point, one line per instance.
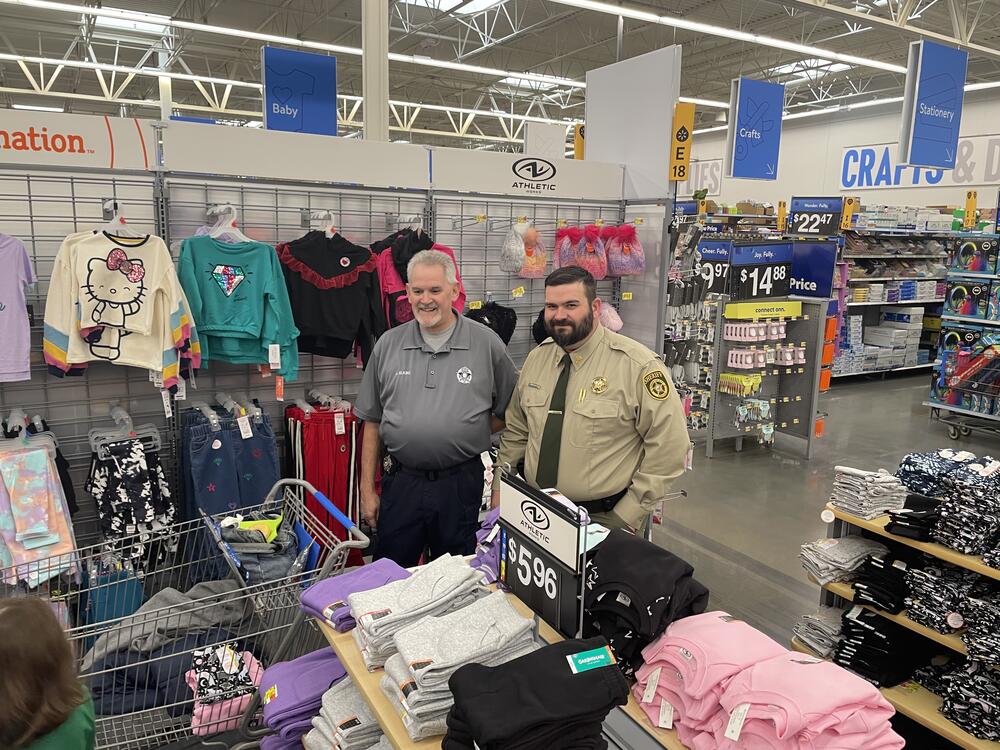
(747, 513)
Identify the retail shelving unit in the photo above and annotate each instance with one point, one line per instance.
(967, 414)
(643, 736)
(909, 698)
(792, 390)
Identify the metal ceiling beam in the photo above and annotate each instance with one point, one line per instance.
(902, 25)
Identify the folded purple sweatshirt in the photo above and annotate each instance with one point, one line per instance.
(327, 599)
(274, 742)
(292, 690)
(487, 557)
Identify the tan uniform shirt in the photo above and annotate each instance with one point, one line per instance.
(623, 426)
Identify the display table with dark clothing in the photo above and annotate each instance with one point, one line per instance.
(368, 684)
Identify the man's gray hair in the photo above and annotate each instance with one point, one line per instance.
(433, 258)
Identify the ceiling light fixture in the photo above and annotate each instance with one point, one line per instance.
(38, 108)
(744, 36)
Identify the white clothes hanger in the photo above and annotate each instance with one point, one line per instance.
(117, 226)
(328, 222)
(225, 223)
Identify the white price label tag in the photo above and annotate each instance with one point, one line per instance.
(246, 431)
(182, 391)
(955, 620)
(666, 720)
(492, 535)
(736, 721)
(650, 691)
(156, 378)
(827, 516)
(338, 423)
(274, 356)
(168, 411)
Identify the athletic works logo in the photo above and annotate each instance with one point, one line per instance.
(535, 514)
(535, 175)
(42, 140)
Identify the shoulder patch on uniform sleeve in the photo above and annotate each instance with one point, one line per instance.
(656, 385)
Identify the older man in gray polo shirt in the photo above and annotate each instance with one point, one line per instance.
(433, 391)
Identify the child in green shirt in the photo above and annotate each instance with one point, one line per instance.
(43, 705)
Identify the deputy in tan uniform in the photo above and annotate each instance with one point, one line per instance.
(594, 413)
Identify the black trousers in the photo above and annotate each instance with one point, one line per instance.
(440, 513)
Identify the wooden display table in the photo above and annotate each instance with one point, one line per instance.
(368, 684)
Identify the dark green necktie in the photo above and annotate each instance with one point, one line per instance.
(547, 472)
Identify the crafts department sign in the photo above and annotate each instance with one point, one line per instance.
(932, 104)
(300, 91)
(754, 135)
(977, 162)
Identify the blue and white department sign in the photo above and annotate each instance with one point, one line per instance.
(300, 91)
(754, 135)
(932, 105)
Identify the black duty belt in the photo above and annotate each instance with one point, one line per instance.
(391, 465)
(604, 504)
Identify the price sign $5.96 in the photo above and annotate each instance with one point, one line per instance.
(762, 281)
(532, 571)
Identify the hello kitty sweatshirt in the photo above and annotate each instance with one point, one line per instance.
(118, 300)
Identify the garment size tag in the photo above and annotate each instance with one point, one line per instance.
(279, 388)
(650, 691)
(338, 423)
(246, 431)
(855, 611)
(168, 411)
(492, 535)
(182, 390)
(736, 721)
(156, 378)
(666, 720)
(274, 356)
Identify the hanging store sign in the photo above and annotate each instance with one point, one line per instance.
(754, 135)
(715, 256)
(812, 268)
(977, 162)
(932, 105)
(85, 141)
(681, 141)
(469, 171)
(300, 91)
(760, 269)
(815, 216)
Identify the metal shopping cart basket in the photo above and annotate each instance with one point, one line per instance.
(136, 663)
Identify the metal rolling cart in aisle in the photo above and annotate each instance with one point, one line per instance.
(909, 698)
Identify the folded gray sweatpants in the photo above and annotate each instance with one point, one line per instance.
(418, 729)
(420, 702)
(483, 632)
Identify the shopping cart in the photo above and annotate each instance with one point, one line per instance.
(965, 393)
(136, 665)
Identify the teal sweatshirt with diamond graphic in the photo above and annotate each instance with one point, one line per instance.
(239, 301)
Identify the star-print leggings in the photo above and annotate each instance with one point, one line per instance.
(226, 471)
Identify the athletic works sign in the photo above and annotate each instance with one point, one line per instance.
(977, 162)
(463, 170)
(60, 140)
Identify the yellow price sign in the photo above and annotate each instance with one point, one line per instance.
(476, 304)
(519, 292)
(561, 223)
(480, 218)
(638, 221)
(626, 296)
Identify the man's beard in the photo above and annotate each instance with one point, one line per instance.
(577, 333)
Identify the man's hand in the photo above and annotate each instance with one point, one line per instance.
(370, 502)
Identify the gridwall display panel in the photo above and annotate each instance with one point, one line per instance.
(475, 228)
(41, 209)
(273, 213)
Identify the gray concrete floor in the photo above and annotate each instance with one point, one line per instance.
(747, 513)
